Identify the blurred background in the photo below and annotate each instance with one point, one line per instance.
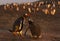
(46, 13)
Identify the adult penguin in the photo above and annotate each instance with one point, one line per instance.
(18, 24)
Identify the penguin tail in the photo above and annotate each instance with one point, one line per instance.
(10, 30)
